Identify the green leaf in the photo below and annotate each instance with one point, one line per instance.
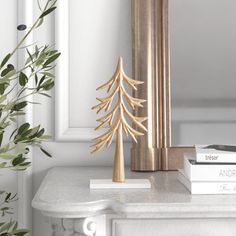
(54, 3)
(34, 131)
(13, 119)
(47, 85)
(27, 150)
(41, 81)
(24, 136)
(48, 12)
(28, 61)
(36, 51)
(19, 113)
(36, 79)
(40, 60)
(13, 133)
(8, 106)
(25, 164)
(46, 137)
(39, 5)
(20, 232)
(5, 60)
(5, 208)
(30, 56)
(45, 152)
(5, 124)
(23, 79)
(1, 137)
(3, 98)
(52, 52)
(3, 164)
(22, 91)
(15, 226)
(7, 197)
(40, 133)
(18, 160)
(19, 106)
(40, 23)
(49, 68)
(5, 71)
(23, 128)
(2, 88)
(51, 59)
(13, 197)
(48, 74)
(7, 76)
(6, 226)
(5, 148)
(45, 94)
(7, 156)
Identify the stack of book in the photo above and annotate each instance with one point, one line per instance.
(211, 170)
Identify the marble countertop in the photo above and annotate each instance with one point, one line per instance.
(65, 193)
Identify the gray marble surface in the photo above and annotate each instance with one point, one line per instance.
(65, 193)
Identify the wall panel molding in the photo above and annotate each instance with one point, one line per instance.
(62, 73)
(25, 186)
(63, 130)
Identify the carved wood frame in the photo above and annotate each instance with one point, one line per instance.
(151, 65)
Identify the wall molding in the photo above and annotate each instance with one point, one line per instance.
(25, 186)
(63, 131)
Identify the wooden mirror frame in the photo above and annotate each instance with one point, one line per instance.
(151, 64)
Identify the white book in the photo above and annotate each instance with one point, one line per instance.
(200, 187)
(215, 153)
(208, 172)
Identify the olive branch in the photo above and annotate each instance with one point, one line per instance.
(14, 91)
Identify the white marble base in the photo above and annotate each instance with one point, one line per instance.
(128, 184)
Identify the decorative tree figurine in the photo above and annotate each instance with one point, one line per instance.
(117, 117)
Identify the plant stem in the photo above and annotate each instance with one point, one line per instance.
(28, 33)
(23, 39)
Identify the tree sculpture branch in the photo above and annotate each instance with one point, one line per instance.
(117, 118)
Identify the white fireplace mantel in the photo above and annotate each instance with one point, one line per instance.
(64, 196)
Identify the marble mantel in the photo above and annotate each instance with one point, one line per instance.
(64, 196)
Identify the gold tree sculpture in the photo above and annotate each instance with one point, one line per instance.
(117, 117)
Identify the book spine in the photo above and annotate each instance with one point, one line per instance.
(209, 172)
(213, 188)
(207, 187)
(215, 158)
